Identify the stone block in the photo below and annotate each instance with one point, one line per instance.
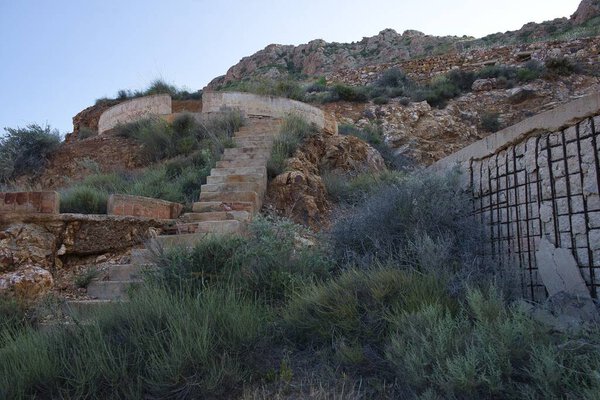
(29, 202)
(559, 270)
(138, 206)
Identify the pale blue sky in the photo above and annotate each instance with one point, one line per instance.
(58, 56)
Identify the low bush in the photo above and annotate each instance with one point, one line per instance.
(157, 86)
(84, 278)
(421, 222)
(486, 351)
(83, 199)
(157, 345)
(490, 122)
(85, 132)
(265, 264)
(373, 134)
(289, 88)
(560, 66)
(346, 189)
(349, 93)
(291, 135)
(26, 150)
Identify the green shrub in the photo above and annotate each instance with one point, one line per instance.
(157, 345)
(381, 100)
(532, 70)
(12, 316)
(422, 221)
(291, 135)
(85, 132)
(82, 199)
(490, 122)
(393, 77)
(486, 351)
(560, 66)
(346, 189)
(26, 150)
(264, 264)
(157, 86)
(83, 279)
(373, 134)
(349, 93)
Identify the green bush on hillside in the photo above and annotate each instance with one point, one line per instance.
(291, 135)
(26, 150)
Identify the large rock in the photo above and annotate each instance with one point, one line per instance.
(22, 244)
(587, 10)
(564, 312)
(559, 270)
(299, 192)
(28, 282)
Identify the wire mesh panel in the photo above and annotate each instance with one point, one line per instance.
(544, 187)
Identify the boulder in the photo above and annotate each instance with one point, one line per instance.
(28, 282)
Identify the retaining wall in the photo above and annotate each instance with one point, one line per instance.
(268, 106)
(133, 110)
(138, 206)
(540, 180)
(29, 203)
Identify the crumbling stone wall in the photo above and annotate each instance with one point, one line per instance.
(535, 185)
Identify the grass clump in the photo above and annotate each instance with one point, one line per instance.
(402, 222)
(347, 189)
(490, 122)
(83, 279)
(158, 345)
(293, 132)
(26, 150)
(265, 264)
(157, 86)
(83, 199)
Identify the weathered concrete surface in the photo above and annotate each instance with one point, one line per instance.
(133, 110)
(267, 106)
(550, 121)
(139, 206)
(559, 270)
(29, 202)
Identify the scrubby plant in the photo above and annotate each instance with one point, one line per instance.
(84, 278)
(373, 134)
(397, 221)
(265, 264)
(490, 122)
(560, 66)
(85, 132)
(26, 150)
(82, 199)
(348, 93)
(159, 345)
(293, 132)
(344, 188)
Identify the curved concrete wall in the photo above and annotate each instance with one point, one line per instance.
(134, 109)
(268, 106)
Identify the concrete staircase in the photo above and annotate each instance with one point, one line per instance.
(232, 195)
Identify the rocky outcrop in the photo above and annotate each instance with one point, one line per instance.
(587, 10)
(319, 57)
(299, 193)
(34, 249)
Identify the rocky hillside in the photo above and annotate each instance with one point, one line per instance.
(319, 57)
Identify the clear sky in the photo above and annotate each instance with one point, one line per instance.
(58, 56)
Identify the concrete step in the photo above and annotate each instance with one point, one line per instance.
(123, 272)
(245, 151)
(205, 229)
(241, 163)
(242, 216)
(214, 180)
(246, 156)
(257, 187)
(238, 171)
(141, 257)
(110, 290)
(82, 309)
(243, 142)
(211, 206)
(247, 196)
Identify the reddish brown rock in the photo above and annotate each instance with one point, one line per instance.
(28, 282)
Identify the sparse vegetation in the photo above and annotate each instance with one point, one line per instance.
(26, 150)
(261, 316)
(84, 278)
(158, 86)
(490, 122)
(293, 131)
(188, 150)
